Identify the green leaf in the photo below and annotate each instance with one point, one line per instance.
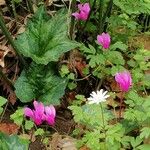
(115, 57)
(90, 50)
(119, 45)
(133, 6)
(12, 142)
(24, 90)
(17, 117)
(97, 59)
(64, 70)
(39, 132)
(2, 101)
(72, 85)
(77, 112)
(144, 147)
(71, 76)
(135, 141)
(145, 132)
(45, 38)
(42, 83)
(17, 1)
(28, 124)
(115, 69)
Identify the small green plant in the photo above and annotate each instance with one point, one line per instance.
(44, 41)
(101, 134)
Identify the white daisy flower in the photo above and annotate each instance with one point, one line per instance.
(98, 97)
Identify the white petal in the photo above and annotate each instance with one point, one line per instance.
(106, 96)
(105, 93)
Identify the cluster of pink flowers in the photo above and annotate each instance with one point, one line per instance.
(122, 78)
(84, 10)
(40, 113)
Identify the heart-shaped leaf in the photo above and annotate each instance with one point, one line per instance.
(40, 82)
(45, 38)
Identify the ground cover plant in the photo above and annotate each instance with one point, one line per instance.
(75, 75)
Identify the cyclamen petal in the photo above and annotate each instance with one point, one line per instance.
(38, 119)
(84, 10)
(50, 110)
(50, 120)
(28, 112)
(39, 107)
(76, 15)
(104, 40)
(124, 80)
(50, 114)
(86, 7)
(41, 113)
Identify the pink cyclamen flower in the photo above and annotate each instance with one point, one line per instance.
(50, 114)
(37, 115)
(124, 80)
(84, 10)
(104, 40)
(41, 113)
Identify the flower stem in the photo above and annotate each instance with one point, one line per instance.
(107, 14)
(100, 25)
(72, 5)
(121, 101)
(103, 121)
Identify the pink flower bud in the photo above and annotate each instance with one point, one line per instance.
(124, 80)
(104, 40)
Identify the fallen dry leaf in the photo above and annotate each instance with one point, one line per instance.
(12, 97)
(68, 143)
(3, 52)
(9, 128)
(28, 136)
(54, 142)
(84, 148)
(61, 142)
